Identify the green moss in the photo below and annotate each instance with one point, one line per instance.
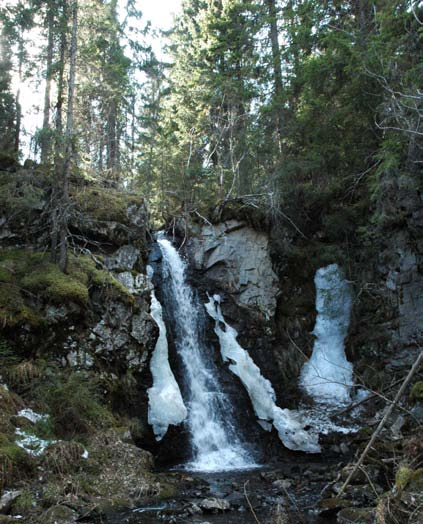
(28, 278)
(51, 282)
(305, 259)
(14, 462)
(13, 452)
(167, 490)
(416, 481)
(25, 502)
(104, 204)
(5, 275)
(86, 266)
(403, 477)
(21, 194)
(417, 391)
(8, 356)
(4, 440)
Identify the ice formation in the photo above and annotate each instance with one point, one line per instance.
(165, 403)
(288, 423)
(327, 376)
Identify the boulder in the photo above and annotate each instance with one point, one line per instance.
(58, 515)
(214, 505)
(356, 515)
(237, 258)
(124, 259)
(7, 499)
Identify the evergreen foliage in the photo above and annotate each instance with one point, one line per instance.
(311, 110)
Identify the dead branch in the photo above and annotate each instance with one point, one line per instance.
(249, 503)
(382, 423)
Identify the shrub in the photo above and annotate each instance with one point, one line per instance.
(14, 462)
(74, 405)
(63, 457)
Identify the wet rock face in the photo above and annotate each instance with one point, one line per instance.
(237, 258)
(404, 280)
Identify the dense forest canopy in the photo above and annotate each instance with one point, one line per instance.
(286, 105)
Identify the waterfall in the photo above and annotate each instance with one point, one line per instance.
(327, 376)
(215, 441)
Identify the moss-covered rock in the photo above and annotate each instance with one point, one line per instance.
(59, 514)
(51, 283)
(104, 205)
(402, 478)
(15, 463)
(408, 478)
(73, 402)
(29, 282)
(416, 392)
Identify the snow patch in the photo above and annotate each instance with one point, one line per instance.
(32, 444)
(165, 403)
(32, 415)
(288, 424)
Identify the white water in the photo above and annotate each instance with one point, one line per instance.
(288, 423)
(327, 376)
(165, 404)
(215, 442)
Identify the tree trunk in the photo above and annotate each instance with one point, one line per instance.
(111, 138)
(277, 66)
(63, 254)
(17, 100)
(58, 154)
(45, 141)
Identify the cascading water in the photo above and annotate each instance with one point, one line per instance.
(215, 442)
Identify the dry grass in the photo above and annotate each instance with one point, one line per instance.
(63, 457)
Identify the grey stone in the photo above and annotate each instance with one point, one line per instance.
(137, 285)
(55, 314)
(344, 448)
(237, 258)
(80, 358)
(136, 360)
(194, 509)
(140, 327)
(410, 308)
(417, 411)
(7, 499)
(137, 215)
(282, 484)
(124, 259)
(356, 516)
(214, 505)
(397, 425)
(59, 515)
(127, 279)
